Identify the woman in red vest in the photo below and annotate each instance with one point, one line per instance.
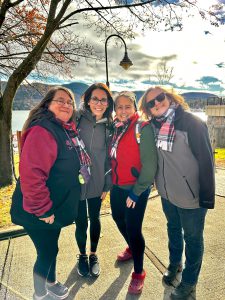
(134, 160)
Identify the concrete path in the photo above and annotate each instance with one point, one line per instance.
(18, 255)
(220, 182)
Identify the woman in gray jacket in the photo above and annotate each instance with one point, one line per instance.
(185, 181)
(93, 122)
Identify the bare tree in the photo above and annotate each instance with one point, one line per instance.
(41, 32)
(163, 73)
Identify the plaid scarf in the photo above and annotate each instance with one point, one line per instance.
(166, 134)
(77, 143)
(119, 129)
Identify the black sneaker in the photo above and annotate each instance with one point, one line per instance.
(171, 273)
(58, 290)
(94, 265)
(82, 265)
(182, 291)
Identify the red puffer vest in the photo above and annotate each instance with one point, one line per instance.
(127, 157)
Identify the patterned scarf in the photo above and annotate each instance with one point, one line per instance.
(166, 134)
(78, 144)
(119, 129)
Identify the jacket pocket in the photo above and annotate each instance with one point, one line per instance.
(189, 187)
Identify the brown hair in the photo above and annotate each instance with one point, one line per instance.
(39, 110)
(87, 95)
(171, 95)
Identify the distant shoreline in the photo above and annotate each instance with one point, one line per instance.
(20, 116)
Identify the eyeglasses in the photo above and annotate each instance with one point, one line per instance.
(159, 98)
(95, 100)
(62, 102)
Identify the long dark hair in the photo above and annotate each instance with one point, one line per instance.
(87, 95)
(40, 109)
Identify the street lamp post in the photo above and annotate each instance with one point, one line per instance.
(125, 62)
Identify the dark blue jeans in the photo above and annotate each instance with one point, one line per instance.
(185, 225)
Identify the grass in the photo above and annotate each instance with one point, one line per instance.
(220, 157)
(6, 192)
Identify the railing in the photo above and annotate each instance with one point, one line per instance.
(216, 101)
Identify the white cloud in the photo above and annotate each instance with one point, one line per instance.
(192, 52)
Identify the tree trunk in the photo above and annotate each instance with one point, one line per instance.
(6, 177)
(23, 70)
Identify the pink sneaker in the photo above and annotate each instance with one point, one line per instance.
(125, 255)
(137, 283)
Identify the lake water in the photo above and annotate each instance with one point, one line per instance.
(20, 116)
(18, 119)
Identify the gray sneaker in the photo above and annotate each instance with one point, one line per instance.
(58, 290)
(45, 297)
(94, 265)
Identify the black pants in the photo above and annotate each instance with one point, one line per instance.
(129, 222)
(46, 244)
(94, 206)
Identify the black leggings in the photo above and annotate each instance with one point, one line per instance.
(94, 206)
(46, 244)
(129, 222)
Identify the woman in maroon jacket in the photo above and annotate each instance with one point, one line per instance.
(48, 190)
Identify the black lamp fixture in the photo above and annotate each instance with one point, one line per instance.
(125, 63)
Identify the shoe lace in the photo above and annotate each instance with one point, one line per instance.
(93, 258)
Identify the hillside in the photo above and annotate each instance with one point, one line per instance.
(197, 96)
(28, 96)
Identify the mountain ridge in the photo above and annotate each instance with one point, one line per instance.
(28, 96)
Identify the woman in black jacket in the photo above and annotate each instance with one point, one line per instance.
(48, 192)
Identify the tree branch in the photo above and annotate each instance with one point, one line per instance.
(6, 5)
(104, 8)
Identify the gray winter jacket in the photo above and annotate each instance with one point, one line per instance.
(94, 135)
(185, 176)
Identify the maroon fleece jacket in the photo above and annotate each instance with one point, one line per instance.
(38, 154)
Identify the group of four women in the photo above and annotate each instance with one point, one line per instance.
(70, 159)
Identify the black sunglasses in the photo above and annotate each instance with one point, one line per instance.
(159, 98)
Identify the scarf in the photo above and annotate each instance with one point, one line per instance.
(78, 144)
(119, 129)
(166, 134)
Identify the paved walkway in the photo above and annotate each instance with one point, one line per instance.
(17, 258)
(220, 182)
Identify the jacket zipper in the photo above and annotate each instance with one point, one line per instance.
(117, 179)
(90, 148)
(92, 137)
(164, 179)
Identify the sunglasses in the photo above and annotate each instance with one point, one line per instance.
(159, 98)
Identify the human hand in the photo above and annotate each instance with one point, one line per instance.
(130, 203)
(48, 220)
(103, 195)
